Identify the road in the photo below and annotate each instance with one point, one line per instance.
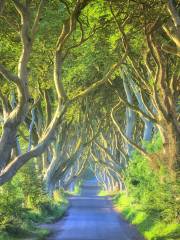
(91, 217)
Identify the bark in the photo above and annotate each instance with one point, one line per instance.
(148, 125)
(48, 107)
(104, 80)
(120, 153)
(171, 147)
(18, 114)
(10, 170)
(172, 29)
(130, 117)
(75, 176)
(59, 167)
(123, 135)
(167, 115)
(31, 129)
(5, 105)
(106, 164)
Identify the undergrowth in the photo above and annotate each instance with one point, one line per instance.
(24, 205)
(151, 200)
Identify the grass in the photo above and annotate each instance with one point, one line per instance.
(49, 211)
(30, 229)
(104, 193)
(149, 225)
(26, 234)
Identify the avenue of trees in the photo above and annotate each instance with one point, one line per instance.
(88, 84)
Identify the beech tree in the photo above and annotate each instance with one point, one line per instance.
(117, 67)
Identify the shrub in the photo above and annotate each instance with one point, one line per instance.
(152, 198)
(23, 202)
(12, 211)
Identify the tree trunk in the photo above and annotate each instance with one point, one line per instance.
(130, 117)
(171, 146)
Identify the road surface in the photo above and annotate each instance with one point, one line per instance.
(91, 217)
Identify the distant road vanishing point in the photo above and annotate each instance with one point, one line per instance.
(91, 217)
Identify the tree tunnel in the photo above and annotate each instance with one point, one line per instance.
(85, 88)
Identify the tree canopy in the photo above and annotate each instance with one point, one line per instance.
(90, 84)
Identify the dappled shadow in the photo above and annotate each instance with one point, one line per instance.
(148, 223)
(175, 235)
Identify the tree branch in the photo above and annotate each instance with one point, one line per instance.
(37, 18)
(8, 74)
(174, 13)
(104, 80)
(133, 144)
(4, 105)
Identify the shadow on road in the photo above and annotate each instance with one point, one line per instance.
(91, 217)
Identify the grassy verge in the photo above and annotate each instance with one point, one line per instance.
(104, 193)
(150, 225)
(25, 233)
(30, 229)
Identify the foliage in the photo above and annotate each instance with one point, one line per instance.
(79, 48)
(151, 201)
(24, 203)
(11, 205)
(149, 224)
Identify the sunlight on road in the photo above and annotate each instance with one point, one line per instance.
(91, 217)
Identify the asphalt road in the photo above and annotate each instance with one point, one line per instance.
(91, 217)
